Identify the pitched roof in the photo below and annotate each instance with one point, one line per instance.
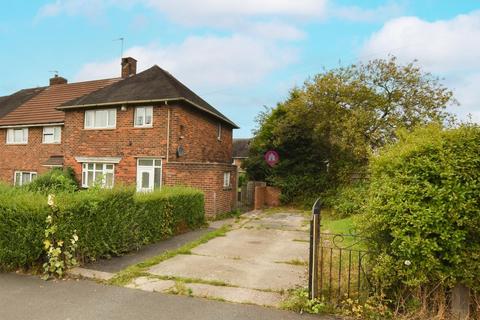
(241, 148)
(39, 107)
(151, 85)
(9, 103)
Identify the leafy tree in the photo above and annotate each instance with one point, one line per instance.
(328, 127)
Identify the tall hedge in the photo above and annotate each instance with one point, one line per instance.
(108, 222)
(423, 211)
(22, 227)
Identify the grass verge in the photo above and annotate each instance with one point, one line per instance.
(140, 269)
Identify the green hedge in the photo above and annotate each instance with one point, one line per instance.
(423, 211)
(108, 222)
(22, 227)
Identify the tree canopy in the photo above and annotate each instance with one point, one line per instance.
(326, 129)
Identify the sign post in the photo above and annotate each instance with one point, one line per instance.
(314, 250)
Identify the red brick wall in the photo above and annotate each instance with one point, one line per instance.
(209, 179)
(204, 161)
(196, 132)
(28, 157)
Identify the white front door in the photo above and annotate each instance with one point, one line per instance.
(145, 179)
(149, 174)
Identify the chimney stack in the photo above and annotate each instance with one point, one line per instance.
(129, 67)
(58, 80)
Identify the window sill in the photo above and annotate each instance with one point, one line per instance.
(51, 143)
(16, 144)
(227, 188)
(98, 129)
(143, 127)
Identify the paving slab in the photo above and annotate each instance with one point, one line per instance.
(242, 273)
(151, 285)
(263, 245)
(282, 221)
(235, 294)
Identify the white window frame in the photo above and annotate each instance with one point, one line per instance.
(227, 179)
(143, 112)
(97, 174)
(152, 171)
(55, 140)
(219, 132)
(11, 136)
(94, 112)
(32, 176)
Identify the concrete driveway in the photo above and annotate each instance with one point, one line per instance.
(262, 256)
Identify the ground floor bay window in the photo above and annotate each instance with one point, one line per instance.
(101, 174)
(149, 174)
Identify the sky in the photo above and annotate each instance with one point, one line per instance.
(239, 55)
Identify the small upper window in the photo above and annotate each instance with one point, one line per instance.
(226, 179)
(143, 116)
(219, 131)
(101, 119)
(17, 136)
(52, 134)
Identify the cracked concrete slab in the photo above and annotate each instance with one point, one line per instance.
(262, 245)
(151, 285)
(234, 294)
(243, 273)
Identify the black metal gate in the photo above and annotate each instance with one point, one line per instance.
(339, 264)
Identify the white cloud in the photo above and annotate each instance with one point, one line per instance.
(207, 63)
(359, 14)
(448, 48)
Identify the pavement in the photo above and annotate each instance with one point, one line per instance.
(29, 298)
(263, 256)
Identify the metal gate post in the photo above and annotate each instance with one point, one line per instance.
(314, 249)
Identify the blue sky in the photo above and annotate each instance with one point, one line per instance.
(239, 55)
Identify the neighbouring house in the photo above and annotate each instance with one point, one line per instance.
(240, 152)
(145, 129)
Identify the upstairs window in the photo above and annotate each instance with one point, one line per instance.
(52, 134)
(143, 117)
(17, 136)
(101, 119)
(22, 178)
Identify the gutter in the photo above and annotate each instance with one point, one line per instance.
(49, 124)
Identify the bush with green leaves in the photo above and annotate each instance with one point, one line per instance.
(423, 211)
(108, 222)
(22, 227)
(349, 200)
(54, 181)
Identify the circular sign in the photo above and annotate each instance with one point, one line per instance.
(272, 158)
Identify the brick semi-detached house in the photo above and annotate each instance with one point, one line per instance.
(145, 129)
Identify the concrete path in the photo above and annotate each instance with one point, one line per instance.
(25, 297)
(262, 257)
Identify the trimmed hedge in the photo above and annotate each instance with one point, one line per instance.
(423, 210)
(108, 222)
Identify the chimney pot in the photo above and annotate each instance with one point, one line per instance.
(129, 67)
(58, 80)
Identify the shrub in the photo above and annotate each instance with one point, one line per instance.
(423, 212)
(22, 227)
(54, 181)
(349, 200)
(108, 221)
